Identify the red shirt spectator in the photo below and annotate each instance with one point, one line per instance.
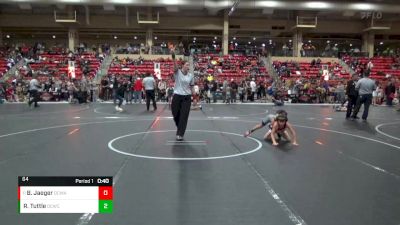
(138, 85)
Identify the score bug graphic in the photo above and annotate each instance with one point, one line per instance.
(65, 195)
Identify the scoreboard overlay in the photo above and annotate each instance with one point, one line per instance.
(37, 194)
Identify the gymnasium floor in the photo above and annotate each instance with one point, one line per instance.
(343, 172)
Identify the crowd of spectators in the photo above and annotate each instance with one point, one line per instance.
(306, 82)
(50, 67)
(228, 78)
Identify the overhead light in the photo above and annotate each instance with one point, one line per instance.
(254, 38)
(54, 36)
(233, 8)
(351, 45)
(263, 45)
(169, 2)
(381, 43)
(362, 6)
(70, 1)
(115, 37)
(317, 5)
(7, 36)
(135, 37)
(122, 1)
(267, 3)
(155, 38)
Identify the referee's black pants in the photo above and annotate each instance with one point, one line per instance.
(150, 96)
(180, 108)
(352, 102)
(365, 99)
(34, 94)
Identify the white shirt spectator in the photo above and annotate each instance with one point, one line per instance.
(370, 65)
(162, 85)
(196, 89)
(253, 86)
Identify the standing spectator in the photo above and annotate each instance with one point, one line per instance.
(128, 91)
(206, 92)
(263, 93)
(114, 87)
(196, 96)
(228, 94)
(137, 90)
(170, 93)
(340, 97)
(214, 88)
(149, 85)
(375, 95)
(241, 90)
(224, 86)
(352, 94)
(162, 87)
(370, 65)
(379, 91)
(390, 90)
(234, 89)
(34, 92)
(119, 95)
(93, 90)
(365, 87)
(2, 93)
(84, 88)
(253, 87)
(104, 89)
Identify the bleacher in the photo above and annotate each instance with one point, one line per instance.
(3, 62)
(146, 66)
(382, 66)
(239, 66)
(306, 70)
(56, 65)
(3, 67)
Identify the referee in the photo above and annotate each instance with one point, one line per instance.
(365, 87)
(181, 100)
(149, 85)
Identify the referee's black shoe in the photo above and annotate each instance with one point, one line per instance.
(179, 138)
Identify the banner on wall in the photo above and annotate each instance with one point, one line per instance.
(71, 69)
(157, 70)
